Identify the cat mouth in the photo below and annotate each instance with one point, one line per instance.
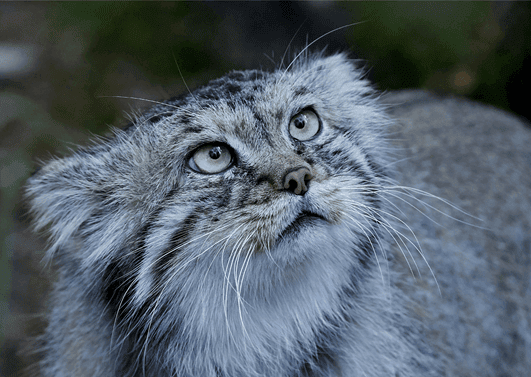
(303, 220)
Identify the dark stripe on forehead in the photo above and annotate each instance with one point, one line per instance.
(301, 90)
(192, 130)
(243, 76)
(232, 88)
(185, 118)
(262, 128)
(185, 122)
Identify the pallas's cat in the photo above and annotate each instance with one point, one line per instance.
(243, 229)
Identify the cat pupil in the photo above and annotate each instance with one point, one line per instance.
(300, 122)
(215, 153)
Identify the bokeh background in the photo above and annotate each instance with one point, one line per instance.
(64, 68)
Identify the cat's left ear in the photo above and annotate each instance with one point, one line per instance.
(341, 74)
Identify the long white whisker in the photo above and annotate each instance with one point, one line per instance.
(184, 81)
(362, 228)
(143, 99)
(161, 294)
(403, 190)
(388, 228)
(289, 44)
(406, 238)
(239, 282)
(314, 41)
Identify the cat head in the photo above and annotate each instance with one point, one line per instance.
(248, 163)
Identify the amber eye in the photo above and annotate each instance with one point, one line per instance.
(211, 159)
(304, 126)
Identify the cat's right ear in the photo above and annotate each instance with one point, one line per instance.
(63, 195)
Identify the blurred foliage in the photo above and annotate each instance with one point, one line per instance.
(475, 49)
(449, 47)
(413, 40)
(152, 40)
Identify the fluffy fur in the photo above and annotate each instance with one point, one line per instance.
(167, 271)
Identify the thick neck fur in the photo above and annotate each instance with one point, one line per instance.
(311, 318)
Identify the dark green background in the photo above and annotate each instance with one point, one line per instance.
(89, 53)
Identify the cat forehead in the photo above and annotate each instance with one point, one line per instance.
(300, 77)
(254, 107)
(269, 99)
(250, 118)
(243, 99)
(243, 90)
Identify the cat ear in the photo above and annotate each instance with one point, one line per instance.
(92, 201)
(81, 201)
(62, 196)
(340, 74)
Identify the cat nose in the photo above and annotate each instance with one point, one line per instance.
(297, 180)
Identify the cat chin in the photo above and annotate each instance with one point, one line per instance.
(309, 237)
(304, 220)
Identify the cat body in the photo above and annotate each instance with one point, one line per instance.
(244, 229)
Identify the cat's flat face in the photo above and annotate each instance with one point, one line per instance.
(211, 169)
(259, 127)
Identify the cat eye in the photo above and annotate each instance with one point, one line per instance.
(211, 159)
(304, 126)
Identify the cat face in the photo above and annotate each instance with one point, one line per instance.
(248, 132)
(250, 161)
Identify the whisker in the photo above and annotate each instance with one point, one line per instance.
(164, 287)
(143, 99)
(184, 81)
(291, 41)
(415, 245)
(386, 227)
(314, 41)
(372, 246)
(398, 189)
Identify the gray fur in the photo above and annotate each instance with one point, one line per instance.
(479, 157)
(164, 271)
